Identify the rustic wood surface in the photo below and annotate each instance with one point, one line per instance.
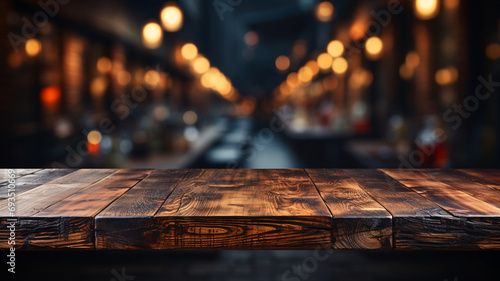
(252, 209)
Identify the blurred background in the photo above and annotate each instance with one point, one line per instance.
(249, 84)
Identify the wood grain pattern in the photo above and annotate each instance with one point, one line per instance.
(479, 221)
(480, 188)
(124, 222)
(417, 222)
(359, 222)
(242, 209)
(255, 209)
(485, 174)
(36, 200)
(32, 180)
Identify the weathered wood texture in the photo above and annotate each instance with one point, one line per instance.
(359, 222)
(253, 209)
(55, 232)
(233, 209)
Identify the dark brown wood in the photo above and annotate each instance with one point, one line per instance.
(359, 222)
(417, 222)
(479, 222)
(243, 209)
(485, 174)
(54, 232)
(125, 222)
(255, 209)
(480, 188)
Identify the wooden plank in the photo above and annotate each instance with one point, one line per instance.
(127, 217)
(417, 222)
(238, 209)
(4, 174)
(485, 174)
(30, 233)
(359, 222)
(32, 180)
(77, 211)
(480, 188)
(479, 221)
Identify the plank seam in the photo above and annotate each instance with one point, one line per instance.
(83, 188)
(333, 239)
(178, 183)
(393, 233)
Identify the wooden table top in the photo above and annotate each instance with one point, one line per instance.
(251, 209)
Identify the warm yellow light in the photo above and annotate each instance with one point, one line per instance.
(405, 71)
(358, 28)
(292, 80)
(426, 9)
(324, 11)
(94, 137)
(493, 51)
(451, 4)
(313, 65)
(98, 86)
(189, 51)
(373, 47)
(152, 78)
(33, 47)
(412, 59)
(305, 75)
(152, 35)
(446, 76)
(251, 38)
(282, 63)
(201, 65)
(171, 17)
(190, 117)
(285, 89)
(123, 78)
(335, 48)
(324, 61)
(104, 65)
(339, 65)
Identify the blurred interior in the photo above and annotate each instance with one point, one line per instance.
(249, 84)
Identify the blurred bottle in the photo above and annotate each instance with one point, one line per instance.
(431, 143)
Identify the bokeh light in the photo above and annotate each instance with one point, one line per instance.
(426, 9)
(373, 47)
(94, 137)
(324, 11)
(335, 48)
(251, 38)
(282, 63)
(152, 78)
(172, 17)
(190, 117)
(493, 51)
(201, 65)
(292, 80)
(152, 35)
(339, 65)
(324, 61)
(189, 51)
(50, 95)
(412, 59)
(33, 47)
(104, 65)
(446, 76)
